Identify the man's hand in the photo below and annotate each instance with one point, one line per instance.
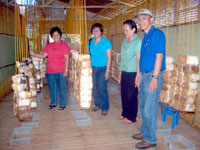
(153, 85)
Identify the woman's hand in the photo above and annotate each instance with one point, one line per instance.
(32, 53)
(107, 75)
(65, 74)
(120, 75)
(137, 80)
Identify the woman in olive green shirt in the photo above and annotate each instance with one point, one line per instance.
(130, 74)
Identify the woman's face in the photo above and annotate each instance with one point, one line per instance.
(128, 32)
(96, 32)
(56, 36)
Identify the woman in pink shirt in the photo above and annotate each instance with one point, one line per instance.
(57, 54)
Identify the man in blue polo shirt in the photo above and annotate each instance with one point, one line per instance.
(152, 63)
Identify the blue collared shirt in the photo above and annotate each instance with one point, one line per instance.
(99, 52)
(153, 43)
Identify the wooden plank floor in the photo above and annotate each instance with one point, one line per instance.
(57, 129)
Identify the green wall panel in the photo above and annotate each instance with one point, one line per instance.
(7, 55)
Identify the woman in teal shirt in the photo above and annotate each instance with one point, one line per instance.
(129, 67)
(100, 52)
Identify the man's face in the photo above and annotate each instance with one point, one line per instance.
(145, 22)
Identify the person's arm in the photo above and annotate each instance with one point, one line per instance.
(157, 66)
(108, 64)
(137, 78)
(66, 65)
(38, 55)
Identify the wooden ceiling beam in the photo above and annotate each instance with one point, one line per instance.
(42, 9)
(93, 18)
(110, 4)
(46, 19)
(115, 13)
(61, 2)
(124, 3)
(66, 6)
(49, 2)
(11, 2)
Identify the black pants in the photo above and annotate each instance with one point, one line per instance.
(129, 95)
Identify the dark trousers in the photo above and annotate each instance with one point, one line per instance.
(129, 95)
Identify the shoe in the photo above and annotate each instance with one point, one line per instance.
(126, 121)
(61, 108)
(104, 113)
(144, 145)
(51, 106)
(120, 117)
(94, 109)
(138, 136)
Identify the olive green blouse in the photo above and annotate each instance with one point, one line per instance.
(129, 53)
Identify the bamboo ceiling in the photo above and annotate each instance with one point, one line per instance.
(103, 9)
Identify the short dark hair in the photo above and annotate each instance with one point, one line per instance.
(55, 29)
(131, 24)
(97, 25)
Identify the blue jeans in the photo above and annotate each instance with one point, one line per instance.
(149, 106)
(57, 86)
(99, 91)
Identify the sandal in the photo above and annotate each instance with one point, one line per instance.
(104, 113)
(120, 117)
(94, 109)
(51, 106)
(126, 121)
(61, 108)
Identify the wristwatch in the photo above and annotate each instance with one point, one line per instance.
(155, 76)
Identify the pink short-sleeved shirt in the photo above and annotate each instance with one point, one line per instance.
(55, 58)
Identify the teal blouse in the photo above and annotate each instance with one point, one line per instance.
(129, 53)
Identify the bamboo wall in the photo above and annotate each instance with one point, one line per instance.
(6, 20)
(5, 87)
(6, 49)
(54, 23)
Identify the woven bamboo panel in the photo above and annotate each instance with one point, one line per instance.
(54, 23)
(2, 90)
(188, 117)
(117, 41)
(197, 104)
(6, 83)
(6, 20)
(115, 66)
(120, 8)
(196, 122)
